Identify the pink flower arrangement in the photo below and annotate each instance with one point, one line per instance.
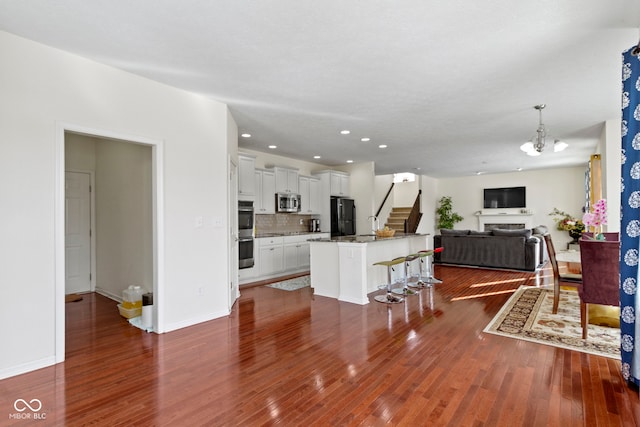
(598, 217)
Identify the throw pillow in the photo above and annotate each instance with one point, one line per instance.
(447, 232)
(520, 232)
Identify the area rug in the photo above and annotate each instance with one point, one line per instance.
(292, 284)
(527, 316)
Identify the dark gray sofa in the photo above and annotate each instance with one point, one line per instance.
(513, 249)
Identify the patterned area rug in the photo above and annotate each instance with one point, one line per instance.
(292, 284)
(527, 316)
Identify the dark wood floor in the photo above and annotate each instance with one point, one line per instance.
(290, 358)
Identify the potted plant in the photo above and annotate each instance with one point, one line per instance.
(446, 217)
(568, 223)
(597, 218)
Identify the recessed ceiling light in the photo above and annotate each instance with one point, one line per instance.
(345, 132)
(349, 161)
(246, 135)
(382, 146)
(273, 147)
(316, 157)
(365, 139)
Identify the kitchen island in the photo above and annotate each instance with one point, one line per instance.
(342, 267)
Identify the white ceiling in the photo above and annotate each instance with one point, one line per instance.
(449, 86)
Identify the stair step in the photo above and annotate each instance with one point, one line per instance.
(406, 210)
(399, 228)
(397, 224)
(397, 217)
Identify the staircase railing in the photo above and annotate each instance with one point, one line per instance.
(412, 221)
(385, 199)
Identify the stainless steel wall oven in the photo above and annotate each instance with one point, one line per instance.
(245, 234)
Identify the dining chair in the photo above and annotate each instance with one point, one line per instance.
(567, 279)
(600, 261)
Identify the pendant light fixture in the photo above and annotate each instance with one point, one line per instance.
(537, 143)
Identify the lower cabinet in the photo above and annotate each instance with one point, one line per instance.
(270, 254)
(296, 255)
(275, 256)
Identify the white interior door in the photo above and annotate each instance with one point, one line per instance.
(77, 232)
(233, 233)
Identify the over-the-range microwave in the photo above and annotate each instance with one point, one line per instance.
(287, 202)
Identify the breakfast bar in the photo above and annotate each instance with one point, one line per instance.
(342, 267)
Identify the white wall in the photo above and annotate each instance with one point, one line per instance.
(610, 147)
(42, 87)
(562, 188)
(124, 217)
(405, 193)
(123, 232)
(429, 187)
(362, 182)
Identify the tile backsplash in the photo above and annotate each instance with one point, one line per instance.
(281, 223)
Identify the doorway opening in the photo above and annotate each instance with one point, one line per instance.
(126, 222)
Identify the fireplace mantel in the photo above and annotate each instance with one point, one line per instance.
(504, 218)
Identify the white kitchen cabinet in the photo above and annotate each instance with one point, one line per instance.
(296, 252)
(309, 195)
(290, 251)
(270, 251)
(278, 255)
(286, 180)
(303, 188)
(314, 196)
(340, 184)
(265, 202)
(304, 255)
(245, 274)
(337, 183)
(246, 177)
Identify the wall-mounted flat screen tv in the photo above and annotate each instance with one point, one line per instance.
(510, 197)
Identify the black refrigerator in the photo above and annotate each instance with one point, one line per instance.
(343, 217)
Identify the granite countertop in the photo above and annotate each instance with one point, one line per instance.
(367, 238)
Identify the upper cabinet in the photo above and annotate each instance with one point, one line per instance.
(339, 182)
(246, 177)
(265, 202)
(309, 195)
(286, 180)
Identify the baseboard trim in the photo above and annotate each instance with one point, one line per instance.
(169, 327)
(27, 367)
(108, 294)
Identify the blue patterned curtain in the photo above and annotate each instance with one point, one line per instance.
(630, 213)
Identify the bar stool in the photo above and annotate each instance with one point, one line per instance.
(427, 259)
(389, 298)
(404, 290)
(419, 284)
